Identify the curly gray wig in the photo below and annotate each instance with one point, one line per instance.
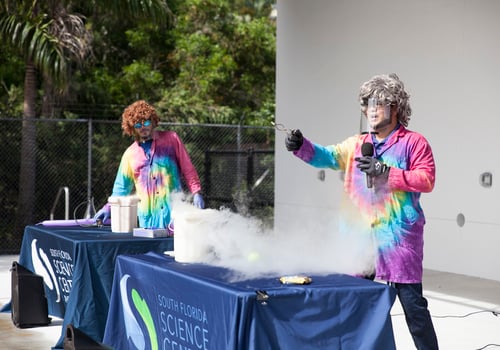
(389, 89)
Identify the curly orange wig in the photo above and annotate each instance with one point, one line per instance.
(138, 112)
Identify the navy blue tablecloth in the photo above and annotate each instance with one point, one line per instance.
(157, 303)
(77, 265)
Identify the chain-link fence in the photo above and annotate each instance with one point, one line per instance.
(77, 160)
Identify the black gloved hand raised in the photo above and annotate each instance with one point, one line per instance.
(294, 140)
(371, 166)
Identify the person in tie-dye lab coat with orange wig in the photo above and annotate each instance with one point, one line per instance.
(386, 169)
(152, 166)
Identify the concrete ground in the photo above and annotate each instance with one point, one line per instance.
(464, 309)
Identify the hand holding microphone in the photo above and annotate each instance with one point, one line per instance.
(371, 166)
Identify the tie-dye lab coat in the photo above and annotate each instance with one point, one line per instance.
(156, 178)
(391, 208)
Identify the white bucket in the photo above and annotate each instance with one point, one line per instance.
(123, 213)
(190, 244)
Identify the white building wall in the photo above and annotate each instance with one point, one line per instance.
(447, 52)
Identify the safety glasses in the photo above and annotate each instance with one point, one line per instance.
(144, 123)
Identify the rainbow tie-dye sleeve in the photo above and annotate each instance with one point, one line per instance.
(156, 177)
(391, 210)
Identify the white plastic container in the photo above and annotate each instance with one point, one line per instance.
(123, 213)
(190, 242)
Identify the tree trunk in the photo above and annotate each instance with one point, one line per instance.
(27, 173)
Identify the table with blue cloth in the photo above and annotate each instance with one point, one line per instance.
(77, 266)
(158, 303)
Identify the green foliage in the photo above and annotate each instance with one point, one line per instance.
(226, 65)
(215, 63)
(11, 74)
(11, 101)
(31, 36)
(142, 77)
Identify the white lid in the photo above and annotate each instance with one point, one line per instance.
(124, 200)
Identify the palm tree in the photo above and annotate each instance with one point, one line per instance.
(51, 40)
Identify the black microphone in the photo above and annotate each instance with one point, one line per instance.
(367, 151)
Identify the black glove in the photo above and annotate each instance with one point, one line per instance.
(294, 140)
(371, 166)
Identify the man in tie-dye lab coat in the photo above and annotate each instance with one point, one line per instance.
(386, 169)
(152, 166)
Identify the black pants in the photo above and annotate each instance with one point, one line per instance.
(417, 315)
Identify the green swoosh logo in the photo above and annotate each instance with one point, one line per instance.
(143, 309)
